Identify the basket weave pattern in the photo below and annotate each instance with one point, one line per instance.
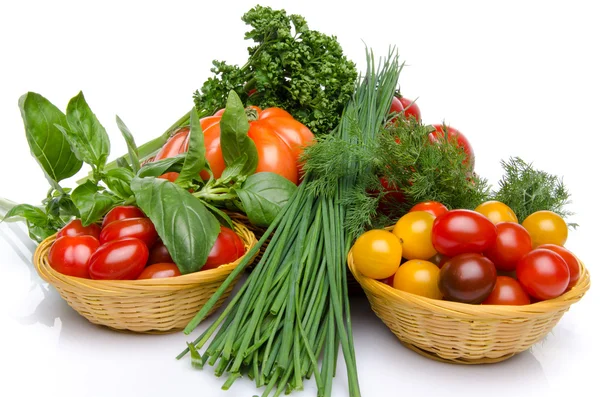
(143, 306)
(463, 333)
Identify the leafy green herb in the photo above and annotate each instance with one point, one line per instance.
(235, 141)
(157, 168)
(527, 190)
(118, 180)
(182, 221)
(92, 201)
(39, 225)
(263, 195)
(86, 135)
(300, 70)
(131, 146)
(195, 156)
(46, 142)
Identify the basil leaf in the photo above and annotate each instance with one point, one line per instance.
(131, 146)
(87, 136)
(235, 169)
(224, 218)
(263, 195)
(183, 223)
(118, 181)
(61, 205)
(91, 202)
(122, 163)
(39, 226)
(46, 142)
(235, 141)
(159, 167)
(195, 157)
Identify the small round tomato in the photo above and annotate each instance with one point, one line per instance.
(122, 212)
(410, 108)
(159, 254)
(377, 254)
(159, 270)
(512, 243)
(546, 227)
(462, 231)
(467, 278)
(396, 108)
(174, 145)
(435, 208)
(418, 277)
(140, 228)
(227, 249)
(122, 259)
(443, 131)
(570, 259)
(414, 231)
(76, 228)
(543, 274)
(496, 212)
(507, 291)
(439, 259)
(69, 255)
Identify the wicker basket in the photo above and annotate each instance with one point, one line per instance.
(462, 333)
(142, 306)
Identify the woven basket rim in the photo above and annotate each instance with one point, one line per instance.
(466, 310)
(190, 280)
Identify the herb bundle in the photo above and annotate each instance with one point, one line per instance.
(293, 310)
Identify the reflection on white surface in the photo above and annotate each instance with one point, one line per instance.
(69, 356)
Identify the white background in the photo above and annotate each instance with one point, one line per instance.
(517, 78)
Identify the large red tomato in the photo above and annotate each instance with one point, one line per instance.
(410, 108)
(462, 231)
(122, 259)
(69, 255)
(441, 131)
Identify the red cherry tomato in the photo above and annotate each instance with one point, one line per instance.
(69, 255)
(227, 249)
(160, 270)
(433, 207)
(462, 231)
(76, 228)
(122, 212)
(512, 243)
(410, 108)
(159, 254)
(396, 107)
(507, 291)
(122, 259)
(543, 274)
(442, 131)
(140, 228)
(570, 259)
(467, 278)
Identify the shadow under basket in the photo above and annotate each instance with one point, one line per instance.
(144, 306)
(462, 333)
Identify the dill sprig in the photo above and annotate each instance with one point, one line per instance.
(527, 190)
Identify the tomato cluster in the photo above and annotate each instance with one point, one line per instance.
(278, 137)
(481, 256)
(127, 247)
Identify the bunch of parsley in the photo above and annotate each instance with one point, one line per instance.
(292, 67)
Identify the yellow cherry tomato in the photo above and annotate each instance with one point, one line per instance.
(546, 227)
(497, 212)
(418, 277)
(377, 254)
(414, 231)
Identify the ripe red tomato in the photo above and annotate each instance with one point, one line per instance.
(396, 107)
(410, 108)
(543, 274)
(76, 228)
(512, 243)
(122, 212)
(140, 228)
(69, 255)
(442, 131)
(122, 259)
(160, 270)
(273, 112)
(227, 249)
(159, 254)
(462, 231)
(570, 259)
(507, 291)
(273, 154)
(467, 278)
(433, 207)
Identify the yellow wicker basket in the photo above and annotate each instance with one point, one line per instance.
(462, 333)
(142, 306)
